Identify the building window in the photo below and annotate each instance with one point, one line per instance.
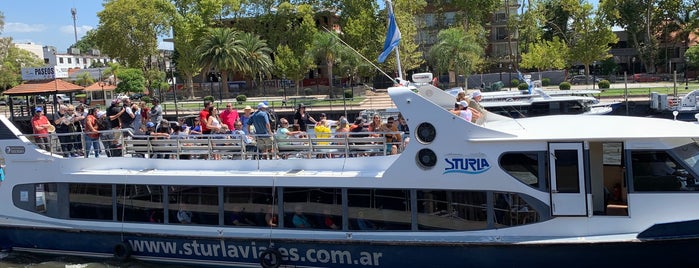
(500, 33)
(70, 61)
(60, 60)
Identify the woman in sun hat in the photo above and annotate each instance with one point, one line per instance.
(247, 113)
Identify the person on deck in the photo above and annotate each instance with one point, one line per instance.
(40, 125)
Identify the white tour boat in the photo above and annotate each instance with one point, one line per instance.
(543, 191)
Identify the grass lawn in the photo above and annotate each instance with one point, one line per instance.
(637, 90)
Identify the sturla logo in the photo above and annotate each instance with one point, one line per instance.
(467, 164)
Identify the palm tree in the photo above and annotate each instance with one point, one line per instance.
(221, 49)
(84, 79)
(326, 47)
(456, 50)
(257, 56)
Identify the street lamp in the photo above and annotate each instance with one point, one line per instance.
(633, 69)
(104, 95)
(509, 67)
(594, 73)
(174, 89)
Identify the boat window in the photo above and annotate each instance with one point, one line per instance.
(140, 203)
(659, 171)
(91, 201)
(315, 208)
(250, 206)
(451, 210)
(193, 205)
(379, 209)
(512, 209)
(524, 166)
(46, 198)
(689, 154)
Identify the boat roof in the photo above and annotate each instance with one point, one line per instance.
(589, 127)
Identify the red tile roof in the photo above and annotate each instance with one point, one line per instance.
(43, 86)
(96, 86)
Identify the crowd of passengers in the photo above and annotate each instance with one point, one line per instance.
(101, 131)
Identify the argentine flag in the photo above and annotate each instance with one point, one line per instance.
(392, 36)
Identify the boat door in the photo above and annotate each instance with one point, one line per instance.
(568, 196)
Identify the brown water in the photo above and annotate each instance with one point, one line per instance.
(25, 260)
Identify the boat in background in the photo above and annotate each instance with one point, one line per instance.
(685, 108)
(526, 192)
(539, 102)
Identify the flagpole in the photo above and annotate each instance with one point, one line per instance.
(389, 4)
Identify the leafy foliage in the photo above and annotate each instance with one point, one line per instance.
(131, 80)
(564, 86)
(128, 29)
(457, 50)
(603, 84)
(545, 55)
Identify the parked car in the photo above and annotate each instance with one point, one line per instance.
(646, 78)
(580, 79)
(18, 101)
(62, 98)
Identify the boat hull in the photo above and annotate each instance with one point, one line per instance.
(228, 251)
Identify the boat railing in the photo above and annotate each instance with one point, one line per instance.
(220, 146)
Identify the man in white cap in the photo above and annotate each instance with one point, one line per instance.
(263, 130)
(475, 104)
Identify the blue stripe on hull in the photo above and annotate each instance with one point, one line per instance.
(242, 253)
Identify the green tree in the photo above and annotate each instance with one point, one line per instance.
(84, 79)
(406, 11)
(257, 59)
(131, 80)
(456, 50)
(643, 20)
(221, 49)
(327, 48)
(590, 37)
(129, 29)
(12, 63)
(153, 80)
(545, 55)
(190, 21)
(359, 20)
(692, 55)
(87, 42)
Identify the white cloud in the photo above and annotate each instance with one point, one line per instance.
(16, 27)
(82, 29)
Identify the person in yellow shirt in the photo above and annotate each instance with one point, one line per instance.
(322, 131)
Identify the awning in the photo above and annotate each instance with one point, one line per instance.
(43, 87)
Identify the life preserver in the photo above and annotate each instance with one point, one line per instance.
(122, 251)
(270, 258)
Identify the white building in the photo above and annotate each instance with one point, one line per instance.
(73, 59)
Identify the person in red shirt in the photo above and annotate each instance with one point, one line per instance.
(229, 116)
(40, 125)
(203, 117)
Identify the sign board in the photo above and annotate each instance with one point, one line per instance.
(44, 73)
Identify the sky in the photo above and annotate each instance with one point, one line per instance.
(49, 22)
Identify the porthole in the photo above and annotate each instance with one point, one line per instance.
(426, 158)
(426, 133)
